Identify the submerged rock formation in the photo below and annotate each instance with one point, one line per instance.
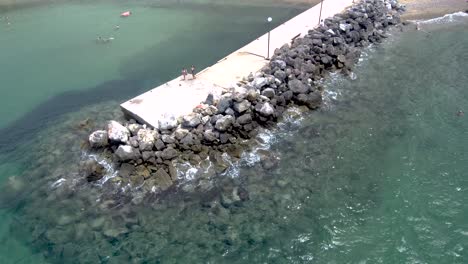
(225, 124)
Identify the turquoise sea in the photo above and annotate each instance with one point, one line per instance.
(378, 175)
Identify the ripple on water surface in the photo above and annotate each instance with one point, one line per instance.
(376, 176)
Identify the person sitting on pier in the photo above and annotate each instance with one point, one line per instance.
(192, 70)
(184, 73)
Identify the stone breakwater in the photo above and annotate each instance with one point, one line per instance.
(227, 123)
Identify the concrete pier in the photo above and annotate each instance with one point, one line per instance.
(178, 97)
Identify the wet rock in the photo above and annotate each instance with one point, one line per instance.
(126, 170)
(266, 109)
(296, 86)
(172, 171)
(224, 123)
(142, 171)
(169, 153)
(127, 153)
(163, 179)
(311, 100)
(92, 170)
(167, 123)
(117, 133)
(191, 120)
(98, 139)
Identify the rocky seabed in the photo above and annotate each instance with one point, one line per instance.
(127, 168)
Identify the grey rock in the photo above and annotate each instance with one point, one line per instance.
(279, 63)
(296, 86)
(180, 133)
(146, 139)
(311, 100)
(281, 75)
(99, 139)
(242, 106)
(133, 128)
(188, 140)
(230, 112)
(244, 119)
(259, 82)
(146, 155)
(169, 139)
(126, 170)
(169, 153)
(167, 123)
(267, 109)
(163, 179)
(133, 141)
(159, 144)
(210, 136)
(191, 120)
(224, 123)
(126, 153)
(223, 104)
(269, 92)
(117, 133)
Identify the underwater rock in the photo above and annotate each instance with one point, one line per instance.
(92, 170)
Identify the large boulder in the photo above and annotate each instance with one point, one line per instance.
(146, 139)
(167, 123)
(98, 139)
(127, 153)
(117, 133)
(224, 123)
(296, 86)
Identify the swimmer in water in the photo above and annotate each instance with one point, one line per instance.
(460, 113)
(117, 27)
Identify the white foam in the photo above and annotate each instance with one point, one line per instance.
(57, 183)
(448, 18)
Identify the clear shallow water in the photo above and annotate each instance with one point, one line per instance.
(377, 176)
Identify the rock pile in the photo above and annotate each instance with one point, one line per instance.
(221, 125)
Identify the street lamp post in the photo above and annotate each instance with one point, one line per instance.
(269, 19)
(320, 15)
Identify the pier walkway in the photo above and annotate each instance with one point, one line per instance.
(177, 97)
